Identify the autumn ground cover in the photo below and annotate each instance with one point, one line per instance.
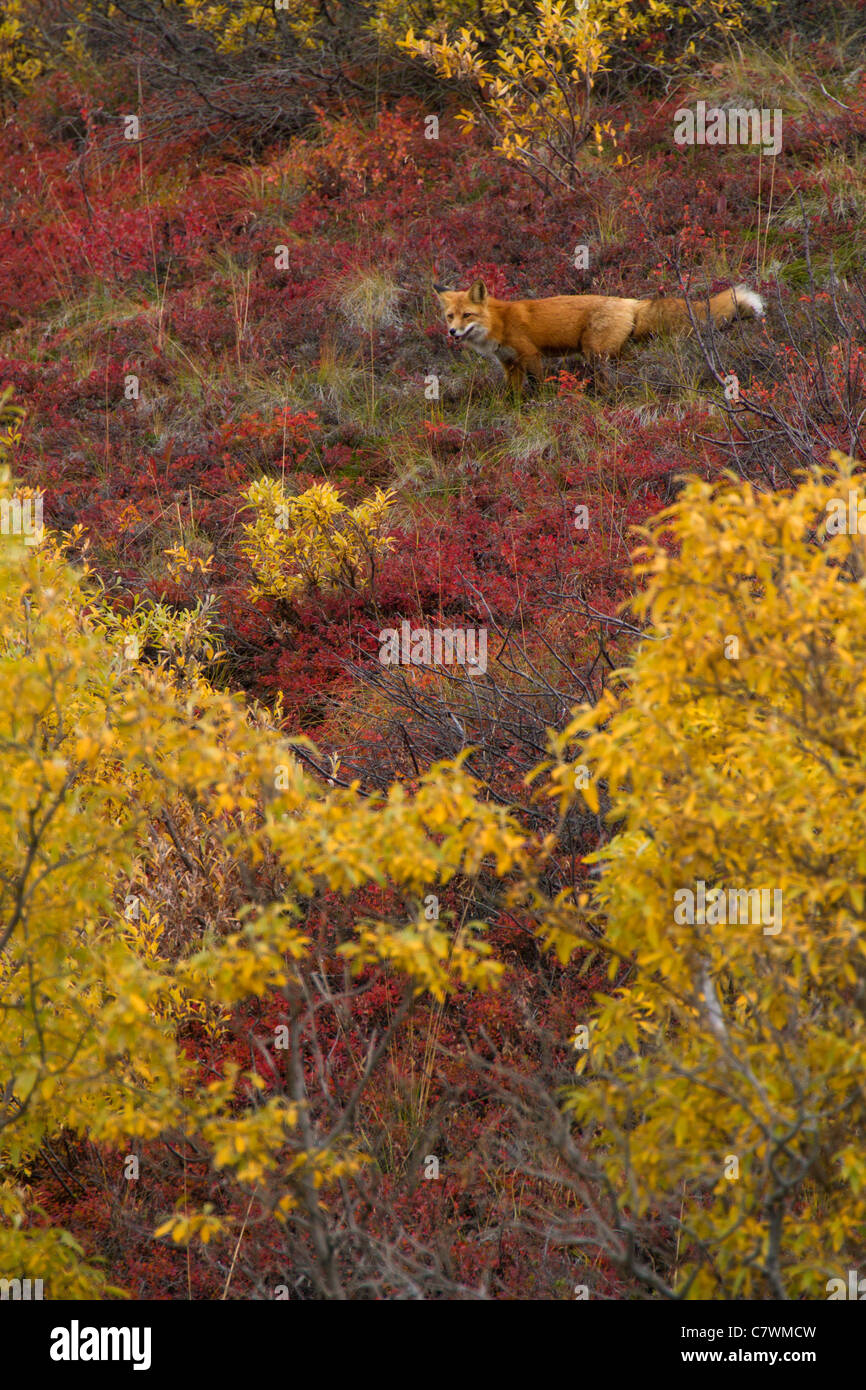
(181, 317)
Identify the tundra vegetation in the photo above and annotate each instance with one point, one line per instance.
(323, 977)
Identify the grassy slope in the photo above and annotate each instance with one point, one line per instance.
(161, 264)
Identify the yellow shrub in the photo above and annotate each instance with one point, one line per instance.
(95, 753)
(725, 1076)
(312, 541)
(533, 73)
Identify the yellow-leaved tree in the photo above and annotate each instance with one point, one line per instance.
(104, 758)
(532, 68)
(721, 1083)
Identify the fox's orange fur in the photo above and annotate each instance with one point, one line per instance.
(520, 333)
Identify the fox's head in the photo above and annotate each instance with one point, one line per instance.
(466, 311)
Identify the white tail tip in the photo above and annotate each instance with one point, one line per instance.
(748, 299)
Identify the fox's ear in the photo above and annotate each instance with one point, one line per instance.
(443, 289)
(478, 293)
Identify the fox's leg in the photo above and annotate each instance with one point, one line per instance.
(514, 376)
(522, 360)
(529, 361)
(534, 365)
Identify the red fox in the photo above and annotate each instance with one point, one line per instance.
(520, 333)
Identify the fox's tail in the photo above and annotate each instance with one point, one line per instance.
(672, 316)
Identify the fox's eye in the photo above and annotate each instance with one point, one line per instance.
(449, 317)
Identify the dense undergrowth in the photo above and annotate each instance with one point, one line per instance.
(274, 313)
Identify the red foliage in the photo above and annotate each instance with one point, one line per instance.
(364, 196)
